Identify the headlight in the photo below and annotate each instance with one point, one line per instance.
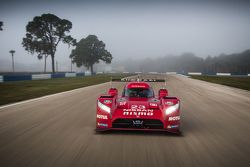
(103, 107)
(173, 108)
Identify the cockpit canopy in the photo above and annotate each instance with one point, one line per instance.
(138, 89)
(138, 92)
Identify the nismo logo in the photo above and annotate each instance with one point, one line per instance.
(138, 112)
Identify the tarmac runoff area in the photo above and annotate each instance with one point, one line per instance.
(59, 130)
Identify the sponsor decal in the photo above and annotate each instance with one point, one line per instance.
(128, 79)
(138, 86)
(172, 126)
(142, 110)
(138, 112)
(141, 107)
(176, 118)
(149, 80)
(153, 104)
(107, 101)
(101, 124)
(122, 103)
(101, 116)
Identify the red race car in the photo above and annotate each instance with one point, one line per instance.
(138, 109)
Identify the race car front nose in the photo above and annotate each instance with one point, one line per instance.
(103, 107)
(169, 110)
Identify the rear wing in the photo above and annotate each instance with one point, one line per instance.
(136, 79)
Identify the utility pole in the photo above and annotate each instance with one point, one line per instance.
(12, 55)
(56, 66)
(45, 63)
(71, 64)
(1, 24)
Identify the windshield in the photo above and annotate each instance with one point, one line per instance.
(138, 92)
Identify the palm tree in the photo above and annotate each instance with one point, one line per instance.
(12, 54)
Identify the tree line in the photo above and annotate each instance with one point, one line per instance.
(237, 63)
(45, 32)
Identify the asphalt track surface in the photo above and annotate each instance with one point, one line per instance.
(59, 131)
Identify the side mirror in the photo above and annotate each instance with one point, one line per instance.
(163, 93)
(113, 92)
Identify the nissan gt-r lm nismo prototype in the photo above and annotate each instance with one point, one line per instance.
(138, 109)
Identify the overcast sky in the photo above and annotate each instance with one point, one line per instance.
(136, 29)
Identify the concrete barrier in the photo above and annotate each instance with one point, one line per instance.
(80, 74)
(171, 73)
(41, 76)
(194, 73)
(87, 73)
(223, 74)
(58, 75)
(153, 72)
(70, 75)
(1, 78)
(7, 78)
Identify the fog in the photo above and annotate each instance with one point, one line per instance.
(131, 29)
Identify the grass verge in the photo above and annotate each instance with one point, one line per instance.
(23, 90)
(237, 82)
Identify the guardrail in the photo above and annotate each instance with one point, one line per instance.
(223, 74)
(59, 75)
(7, 78)
(23, 77)
(235, 74)
(13, 77)
(40, 76)
(70, 75)
(194, 73)
(87, 73)
(171, 73)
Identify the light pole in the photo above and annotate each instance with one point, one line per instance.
(1, 24)
(71, 64)
(12, 55)
(56, 66)
(45, 62)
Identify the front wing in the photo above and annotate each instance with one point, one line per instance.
(170, 123)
